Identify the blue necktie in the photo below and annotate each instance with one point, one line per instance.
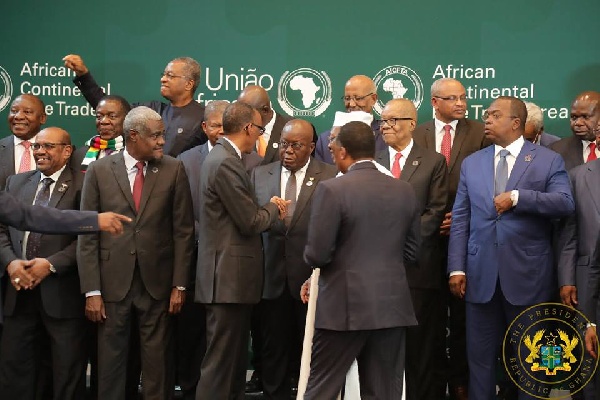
(34, 239)
(501, 173)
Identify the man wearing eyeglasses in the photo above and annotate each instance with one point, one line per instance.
(272, 122)
(26, 116)
(455, 137)
(43, 303)
(360, 94)
(145, 272)
(229, 274)
(282, 313)
(500, 256)
(581, 146)
(182, 115)
(426, 171)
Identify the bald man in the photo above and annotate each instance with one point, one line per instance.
(25, 119)
(281, 312)
(581, 147)
(426, 172)
(43, 303)
(360, 94)
(272, 122)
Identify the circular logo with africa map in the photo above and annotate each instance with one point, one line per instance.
(397, 82)
(304, 92)
(6, 89)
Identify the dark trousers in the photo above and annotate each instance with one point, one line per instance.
(282, 331)
(425, 347)
(223, 371)
(458, 368)
(190, 336)
(27, 333)
(380, 356)
(155, 345)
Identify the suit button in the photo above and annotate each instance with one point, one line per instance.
(132, 252)
(137, 231)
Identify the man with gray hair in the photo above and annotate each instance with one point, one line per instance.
(182, 115)
(534, 127)
(145, 271)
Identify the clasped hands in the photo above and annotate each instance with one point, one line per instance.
(282, 205)
(27, 274)
(503, 202)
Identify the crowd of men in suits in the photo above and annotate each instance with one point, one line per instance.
(231, 205)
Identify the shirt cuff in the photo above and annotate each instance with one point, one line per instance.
(93, 293)
(454, 273)
(514, 196)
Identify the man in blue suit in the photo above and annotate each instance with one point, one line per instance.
(500, 257)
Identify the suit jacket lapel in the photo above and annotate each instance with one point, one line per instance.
(61, 186)
(488, 170)
(120, 172)
(311, 179)
(152, 173)
(27, 195)
(459, 138)
(383, 158)
(592, 183)
(412, 163)
(274, 189)
(522, 162)
(7, 154)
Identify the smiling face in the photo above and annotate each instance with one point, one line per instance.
(26, 116)
(109, 119)
(54, 150)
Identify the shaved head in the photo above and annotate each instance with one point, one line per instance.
(258, 98)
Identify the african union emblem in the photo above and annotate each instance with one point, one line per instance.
(397, 82)
(6, 90)
(544, 351)
(304, 92)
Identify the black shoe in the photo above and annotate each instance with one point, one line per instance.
(254, 385)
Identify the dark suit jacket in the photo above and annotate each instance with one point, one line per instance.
(183, 125)
(7, 159)
(363, 227)
(571, 150)
(160, 239)
(272, 151)
(546, 139)
(322, 150)
(427, 173)
(468, 139)
(61, 297)
(515, 248)
(579, 262)
(284, 247)
(230, 259)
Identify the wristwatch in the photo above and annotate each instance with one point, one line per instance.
(52, 269)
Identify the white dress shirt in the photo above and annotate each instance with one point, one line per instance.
(440, 132)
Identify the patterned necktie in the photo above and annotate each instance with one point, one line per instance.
(592, 155)
(26, 158)
(447, 143)
(501, 173)
(138, 185)
(396, 170)
(262, 146)
(41, 199)
(290, 194)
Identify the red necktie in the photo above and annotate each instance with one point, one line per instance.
(138, 184)
(396, 170)
(592, 155)
(26, 158)
(447, 143)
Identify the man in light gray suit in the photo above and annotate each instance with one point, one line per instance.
(282, 313)
(146, 270)
(229, 276)
(363, 227)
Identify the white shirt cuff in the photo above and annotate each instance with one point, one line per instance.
(93, 293)
(514, 196)
(454, 273)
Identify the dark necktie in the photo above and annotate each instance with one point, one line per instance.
(501, 173)
(41, 199)
(138, 185)
(592, 156)
(396, 170)
(290, 194)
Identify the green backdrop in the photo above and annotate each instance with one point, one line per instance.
(545, 51)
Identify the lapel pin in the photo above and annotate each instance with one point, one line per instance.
(310, 181)
(528, 158)
(275, 145)
(179, 130)
(415, 163)
(154, 170)
(63, 187)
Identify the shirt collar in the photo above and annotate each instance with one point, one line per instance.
(129, 160)
(514, 148)
(405, 152)
(55, 175)
(18, 141)
(237, 150)
(439, 125)
(209, 146)
(269, 126)
(300, 171)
